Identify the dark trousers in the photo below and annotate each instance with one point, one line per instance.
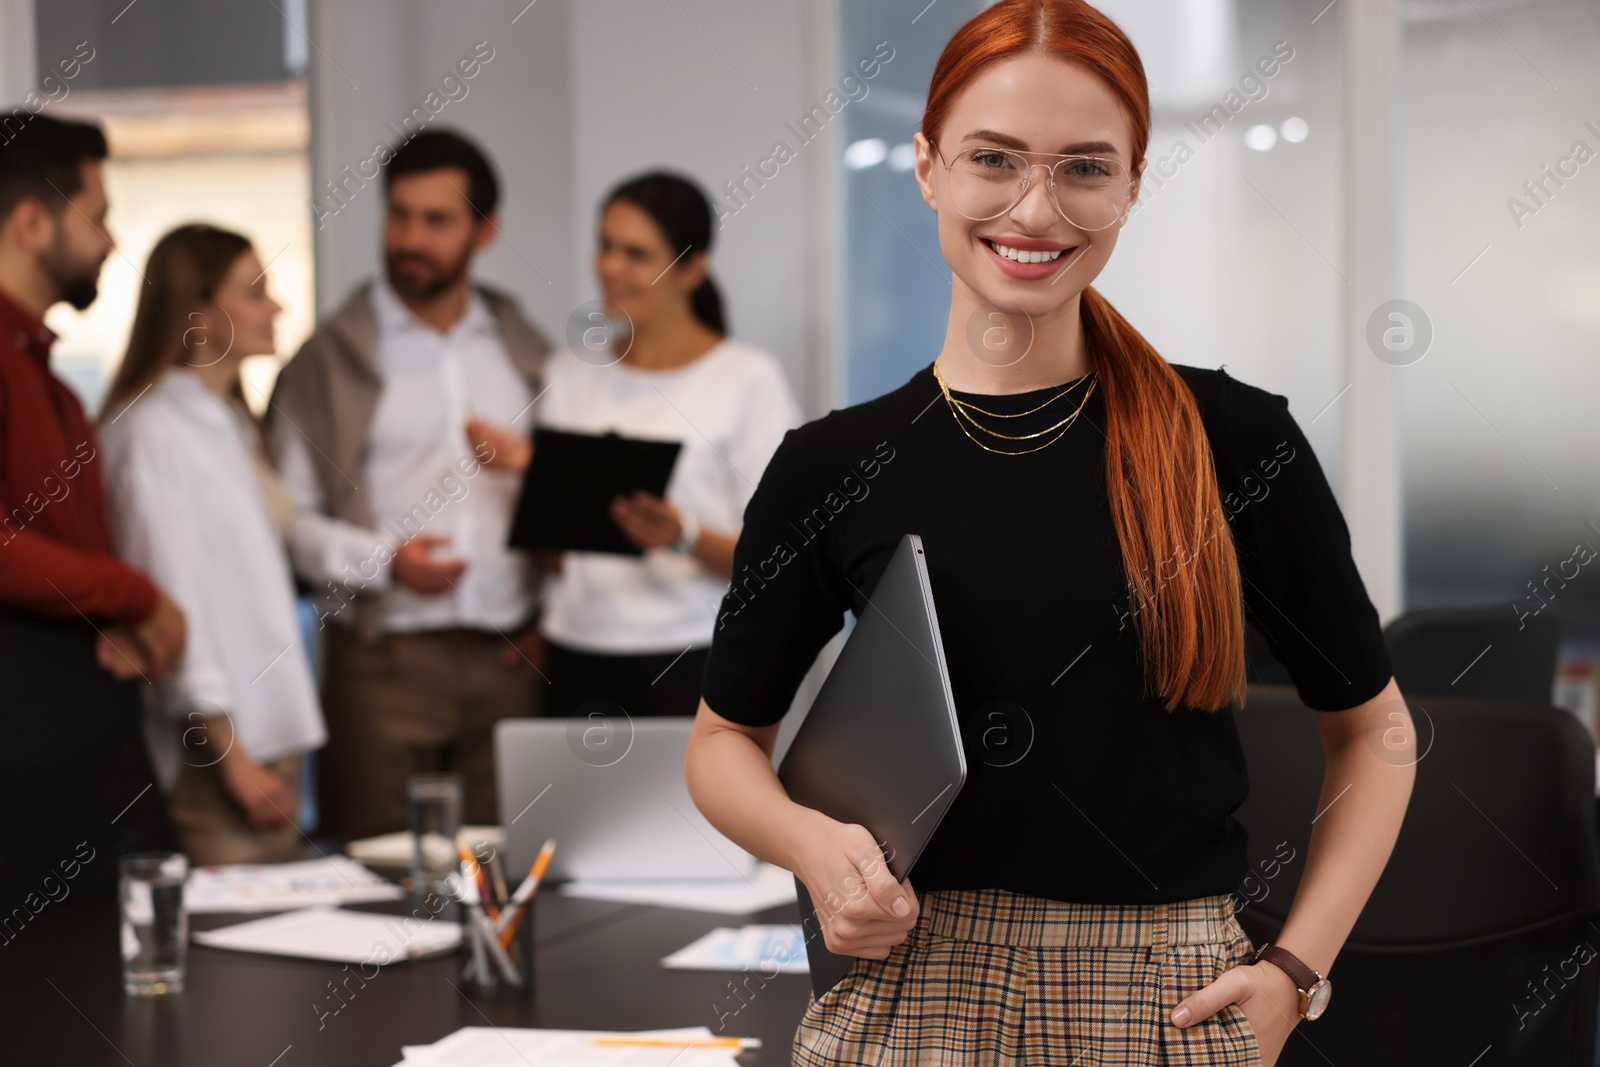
(76, 784)
(665, 683)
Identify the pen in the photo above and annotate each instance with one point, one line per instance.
(496, 868)
(681, 1042)
(469, 902)
(484, 932)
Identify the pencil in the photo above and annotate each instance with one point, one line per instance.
(511, 914)
(530, 884)
(483, 937)
(683, 1042)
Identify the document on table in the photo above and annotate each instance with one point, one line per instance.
(772, 948)
(768, 887)
(394, 850)
(483, 1046)
(281, 886)
(323, 933)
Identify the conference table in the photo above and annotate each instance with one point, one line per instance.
(597, 968)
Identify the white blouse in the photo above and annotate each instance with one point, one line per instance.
(187, 509)
(730, 408)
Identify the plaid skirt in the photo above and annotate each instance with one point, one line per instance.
(989, 977)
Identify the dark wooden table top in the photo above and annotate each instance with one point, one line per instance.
(598, 967)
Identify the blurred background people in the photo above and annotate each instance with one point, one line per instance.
(634, 631)
(195, 503)
(398, 527)
(77, 625)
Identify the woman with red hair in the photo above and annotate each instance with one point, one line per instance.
(1098, 523)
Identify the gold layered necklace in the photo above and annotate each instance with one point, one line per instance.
(962, 411)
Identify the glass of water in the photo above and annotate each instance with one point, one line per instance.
(434, 799)
(155, 926)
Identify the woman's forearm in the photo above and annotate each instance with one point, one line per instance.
(731, 781)
(715, 550)
(1371, 765)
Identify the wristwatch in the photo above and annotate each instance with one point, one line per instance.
(689, 534)
(1315, 990)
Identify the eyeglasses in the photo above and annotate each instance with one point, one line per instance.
(1091, 192)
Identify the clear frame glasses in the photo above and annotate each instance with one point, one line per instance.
(1091, 192)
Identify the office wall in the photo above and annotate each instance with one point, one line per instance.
(188, 42)
(1500, 414)
(16, 49)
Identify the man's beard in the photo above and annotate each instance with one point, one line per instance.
(78, 283)
(430, 286)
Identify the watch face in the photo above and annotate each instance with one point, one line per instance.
(1321, 993)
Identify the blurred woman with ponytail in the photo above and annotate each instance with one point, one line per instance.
(1083, 507)
(627, 634)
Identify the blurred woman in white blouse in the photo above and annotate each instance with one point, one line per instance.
(633, 632)
(195, 505)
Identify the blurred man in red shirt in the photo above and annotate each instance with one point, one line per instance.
(79, 630)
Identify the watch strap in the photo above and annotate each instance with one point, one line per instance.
(689, 533)
(1302, 976)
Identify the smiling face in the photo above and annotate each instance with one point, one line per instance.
(631, 254)
(1032, 104)
(236, 322)
(247, 308)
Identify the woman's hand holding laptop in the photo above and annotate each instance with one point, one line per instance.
(864, 911)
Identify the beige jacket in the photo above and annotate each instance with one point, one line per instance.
(329, 392)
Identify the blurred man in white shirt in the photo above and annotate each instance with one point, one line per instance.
(400, 529)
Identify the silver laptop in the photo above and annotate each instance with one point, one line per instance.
(881, 745)
(610, 790)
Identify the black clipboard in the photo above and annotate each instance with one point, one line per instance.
(881, 745)
(571, 481)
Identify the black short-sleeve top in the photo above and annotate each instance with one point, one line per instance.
(1081, 787)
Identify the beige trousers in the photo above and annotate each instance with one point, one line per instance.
(212, 827)
(408, 703)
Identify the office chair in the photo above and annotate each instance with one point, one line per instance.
(1478, 653)
(1481, 942)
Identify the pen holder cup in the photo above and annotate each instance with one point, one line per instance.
(488, 972)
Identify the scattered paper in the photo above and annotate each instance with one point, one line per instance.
(281, 886)
(771, 948)
(483, 1046)
(394, 850)
(323, 933)
(767, 887)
